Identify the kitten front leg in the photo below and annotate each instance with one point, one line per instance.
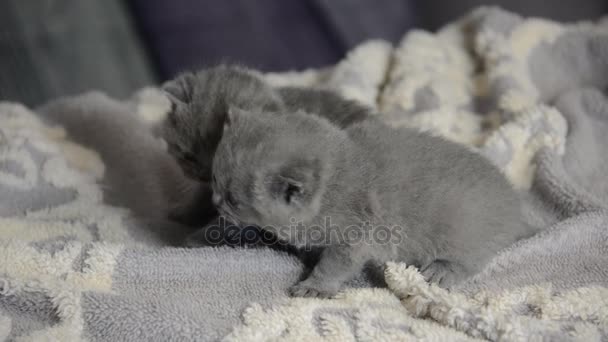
(218, 232)
(207, 236)
(337, 264)
(444, 273)
(193, 207)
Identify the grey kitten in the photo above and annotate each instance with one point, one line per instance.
(200, 100)
(446, 209)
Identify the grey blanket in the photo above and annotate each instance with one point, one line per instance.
(86, 252)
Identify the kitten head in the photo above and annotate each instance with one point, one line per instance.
(271, 168)
(193, 127)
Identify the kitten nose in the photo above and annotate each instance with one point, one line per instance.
(216, 199)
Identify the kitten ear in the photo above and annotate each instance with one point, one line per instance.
(298, 181)
(179, 90)
(289, 190)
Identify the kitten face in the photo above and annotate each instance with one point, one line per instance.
(270, 169)
(193, 127)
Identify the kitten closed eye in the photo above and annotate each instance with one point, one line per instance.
(189, 158)
(230, 200)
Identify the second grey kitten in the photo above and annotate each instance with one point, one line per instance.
(200, 101)
(448, 210)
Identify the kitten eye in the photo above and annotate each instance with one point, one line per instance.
(291, 191)
(189, 157)
(172, 148)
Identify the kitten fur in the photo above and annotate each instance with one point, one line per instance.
(453, 208)
(155, 190)
(200, 100)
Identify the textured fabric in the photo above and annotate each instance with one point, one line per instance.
(54, 48)
(78, 264)
(564, 181)
(435, 13)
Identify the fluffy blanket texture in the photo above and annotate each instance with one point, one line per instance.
(86, 252)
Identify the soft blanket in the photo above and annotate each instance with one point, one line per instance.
(86, 252)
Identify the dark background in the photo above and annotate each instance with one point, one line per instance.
(50, 48)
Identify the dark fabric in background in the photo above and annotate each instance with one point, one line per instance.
(50, 48)
(265, 34)
(55, 47)
(281, 35)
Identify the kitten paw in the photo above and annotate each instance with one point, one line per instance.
(443, 273)
(309, 290)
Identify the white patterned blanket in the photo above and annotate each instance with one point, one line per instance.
(86, 254)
